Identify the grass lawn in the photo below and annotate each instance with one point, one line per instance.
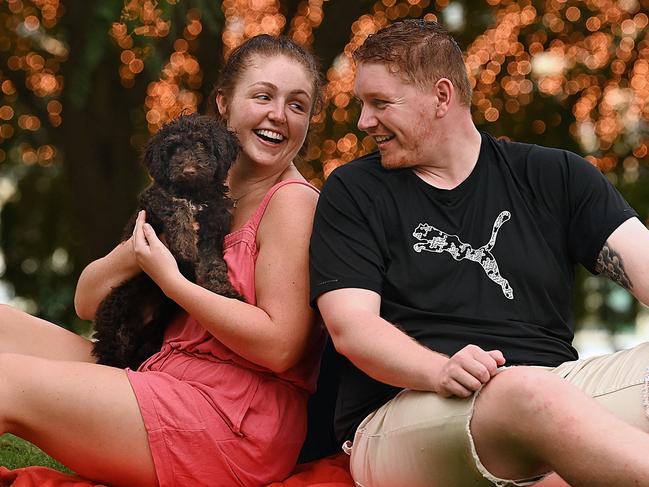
(16, 453)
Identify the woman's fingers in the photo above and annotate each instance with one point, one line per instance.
(150, 236)
(139, 241)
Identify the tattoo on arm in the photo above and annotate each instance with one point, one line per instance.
(610, 263)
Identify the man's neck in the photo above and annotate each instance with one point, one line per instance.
(455, 156)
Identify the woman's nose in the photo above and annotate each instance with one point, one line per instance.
(277, 113)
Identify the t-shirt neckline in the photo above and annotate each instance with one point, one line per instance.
(466, 185)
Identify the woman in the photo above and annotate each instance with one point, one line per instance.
(223, 402)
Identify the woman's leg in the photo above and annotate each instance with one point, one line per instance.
(84, 415)
(26, 334)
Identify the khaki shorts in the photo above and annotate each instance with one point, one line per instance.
(420, 439)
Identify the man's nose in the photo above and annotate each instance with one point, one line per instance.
(366, 120)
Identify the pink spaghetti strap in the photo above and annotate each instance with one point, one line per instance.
(261, 209)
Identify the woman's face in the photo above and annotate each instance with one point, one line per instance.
(269, 110)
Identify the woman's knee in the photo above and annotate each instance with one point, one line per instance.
(13, 368)
(12, 324)
(7, 315)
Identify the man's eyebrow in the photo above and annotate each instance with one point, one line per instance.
(374, 95)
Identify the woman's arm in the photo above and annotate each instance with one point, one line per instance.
(102, 275)
(274, 333)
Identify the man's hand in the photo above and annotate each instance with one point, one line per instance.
(467, 371)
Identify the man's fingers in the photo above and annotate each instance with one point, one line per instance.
(498, 356)
(491, 359)
(454, 388)
(465, 378)
(468, 370)
(479, 370)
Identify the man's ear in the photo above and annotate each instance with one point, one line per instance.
(444, 92)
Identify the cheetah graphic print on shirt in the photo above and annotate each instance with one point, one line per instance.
(440, 241)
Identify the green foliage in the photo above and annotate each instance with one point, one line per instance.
(17, 453)
(97, 20)
(40, 263)
(71, 210)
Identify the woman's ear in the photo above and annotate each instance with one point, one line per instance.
(221, 105)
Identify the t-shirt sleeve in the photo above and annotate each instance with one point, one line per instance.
(596, 210)
(345, 247)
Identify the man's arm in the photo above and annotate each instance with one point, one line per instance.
(624, 258)
(388, 355)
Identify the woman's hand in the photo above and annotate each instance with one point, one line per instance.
(152, 255)
(467, 371)
(102, 275)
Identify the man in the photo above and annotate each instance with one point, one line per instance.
(449, 254)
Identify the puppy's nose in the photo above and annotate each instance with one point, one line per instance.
(189, 171)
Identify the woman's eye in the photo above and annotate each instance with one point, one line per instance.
(262, 97)
(297, 106)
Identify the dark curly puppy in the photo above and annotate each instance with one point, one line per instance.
(188, 160)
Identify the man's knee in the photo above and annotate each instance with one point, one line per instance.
(507, 413)
(520, 406)
(522, 391)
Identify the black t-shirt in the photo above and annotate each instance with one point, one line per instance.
(490, 262)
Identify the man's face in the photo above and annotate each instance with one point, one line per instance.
(397, 114)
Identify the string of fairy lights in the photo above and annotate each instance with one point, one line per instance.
(592, 55)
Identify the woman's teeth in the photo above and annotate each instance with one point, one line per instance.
(270, 136)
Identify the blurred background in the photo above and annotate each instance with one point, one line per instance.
(84, 83)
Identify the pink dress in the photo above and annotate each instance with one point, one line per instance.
(212, 417)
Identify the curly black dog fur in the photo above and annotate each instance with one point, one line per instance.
(188, 160)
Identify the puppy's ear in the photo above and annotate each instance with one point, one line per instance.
(231, 147)
(156, 150)
(153, 152)
(224, 145)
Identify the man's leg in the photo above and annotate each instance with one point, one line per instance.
(617, 381)
(529, 420)
(418, 439)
